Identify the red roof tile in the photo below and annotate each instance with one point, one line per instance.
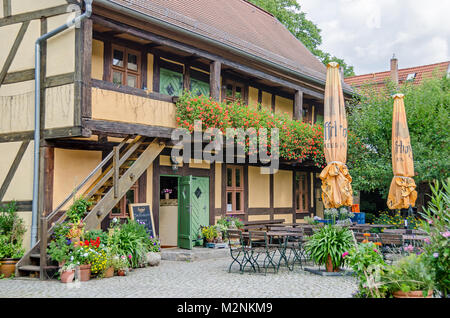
(237, 23)
(424, 71)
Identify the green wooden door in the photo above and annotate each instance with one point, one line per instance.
(194, 209)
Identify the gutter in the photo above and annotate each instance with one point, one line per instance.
(138, 15)
(37, 111)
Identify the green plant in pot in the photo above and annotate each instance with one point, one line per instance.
(12, 230)
(326, 246)
(409, 277)
(210, 233)
(60, 249)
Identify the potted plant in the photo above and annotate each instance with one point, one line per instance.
(409, 277)
(366, 260)
(84, 254)
(67, 272)
(209, 233)
(12, 230)
(326, 246)
(154, 252)
(121, 265)
(59, 250)
(167, 193)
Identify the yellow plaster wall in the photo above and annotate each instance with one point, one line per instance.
(252, 97)
(59, 110)
(24, 58)
(266, 100)
(282, 188)
(287, 217)
(202, 165)
(23, 6)
(284, 105)
(115, 106)
(259, 217)
(258, 188)
(218, 185)
(21, 186)
(70, 168)
(61, 48)
(97, 59)
(26, 216)
(17, 107)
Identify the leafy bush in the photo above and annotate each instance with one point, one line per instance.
(329, 240)
(437, 225)
(130, 239)
(230, 222)
(12, 230)
(367, 262)
(77, 211)
(409, 273)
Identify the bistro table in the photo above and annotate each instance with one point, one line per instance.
(405, 231)
(366, 227)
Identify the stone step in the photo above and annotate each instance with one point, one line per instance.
(196, 254)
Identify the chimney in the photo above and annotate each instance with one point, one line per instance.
(394, 69)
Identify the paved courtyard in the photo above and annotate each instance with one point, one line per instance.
(202, 278)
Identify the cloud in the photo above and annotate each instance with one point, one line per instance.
(367, 32)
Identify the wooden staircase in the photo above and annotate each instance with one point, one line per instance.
(119, 171)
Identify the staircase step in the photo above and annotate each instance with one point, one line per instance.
(36, 255)
(30, 268)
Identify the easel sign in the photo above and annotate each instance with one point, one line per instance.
(142, 213)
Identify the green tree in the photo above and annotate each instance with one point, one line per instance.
(289, 13)
(370, 121)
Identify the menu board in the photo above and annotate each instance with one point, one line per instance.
(142, 213)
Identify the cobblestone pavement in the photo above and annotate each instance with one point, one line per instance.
(205, 278)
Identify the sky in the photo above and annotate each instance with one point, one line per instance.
(366, 33)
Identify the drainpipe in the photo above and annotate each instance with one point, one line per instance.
(37, 111)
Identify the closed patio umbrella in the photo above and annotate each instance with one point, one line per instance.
(402, 192)
(336, 180)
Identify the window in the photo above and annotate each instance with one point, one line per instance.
(170, 82)
(125, 67)
(235, 189)
(411, 77)
(302, 192)
(121, 209)
(199, 87)
(233, 91)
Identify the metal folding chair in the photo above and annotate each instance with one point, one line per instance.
(260, 246)
(238, 250)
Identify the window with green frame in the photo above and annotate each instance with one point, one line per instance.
(170, 82)
(199, 87)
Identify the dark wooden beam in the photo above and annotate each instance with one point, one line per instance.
(19, 76)
(187, 76)
(130, 90)
(28, 16)
(6, 8)
(298, 105)
(214, 80)
(13, 168)
(113, 128)
(22, 206)
(86, 69)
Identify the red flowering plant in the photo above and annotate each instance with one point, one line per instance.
(298, 141)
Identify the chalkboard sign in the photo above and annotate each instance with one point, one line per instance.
(142, 213)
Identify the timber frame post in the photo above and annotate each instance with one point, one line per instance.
(214, 80)
(298, 105)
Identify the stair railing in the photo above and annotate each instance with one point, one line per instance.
(45, 219)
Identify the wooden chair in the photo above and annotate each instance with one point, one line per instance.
(392, 244)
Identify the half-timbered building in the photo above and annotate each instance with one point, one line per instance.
(107, 96)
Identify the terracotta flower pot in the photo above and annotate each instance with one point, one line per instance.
(8, 266)
(67, 276)
(120, 272)
(85, 272)
(109, 272)
(412, 294)
(329, 266)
